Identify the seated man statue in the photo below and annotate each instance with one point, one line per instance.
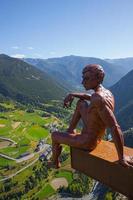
(96, 116)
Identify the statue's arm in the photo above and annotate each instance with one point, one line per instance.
(110, 121)
(82, 96)
(69, 98)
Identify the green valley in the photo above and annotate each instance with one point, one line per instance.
(31, 107)
(25, 129)
(24, 139)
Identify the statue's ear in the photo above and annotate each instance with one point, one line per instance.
(99, 77)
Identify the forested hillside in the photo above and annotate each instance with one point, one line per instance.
(25, 83)
(123, 93)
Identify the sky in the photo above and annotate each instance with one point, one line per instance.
(56, 28)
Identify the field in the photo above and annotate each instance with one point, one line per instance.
(24, 128)
(21, 130)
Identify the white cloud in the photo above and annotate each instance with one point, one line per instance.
(15, 47)
(30, 48)
(18, 56)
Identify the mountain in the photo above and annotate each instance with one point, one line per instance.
(68, 70)
(128, 138)
(123, 93)
(125, 117)
(125, 63)
(24, 82)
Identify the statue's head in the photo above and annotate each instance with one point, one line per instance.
(93, 75)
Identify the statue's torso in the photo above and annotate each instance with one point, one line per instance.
(95, 125)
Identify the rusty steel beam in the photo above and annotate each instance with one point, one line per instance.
(102, 165)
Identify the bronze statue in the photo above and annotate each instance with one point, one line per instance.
(96, 117)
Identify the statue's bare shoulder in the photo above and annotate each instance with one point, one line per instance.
(97, 100)
(103, 98)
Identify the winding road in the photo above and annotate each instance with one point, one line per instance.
(27, 157)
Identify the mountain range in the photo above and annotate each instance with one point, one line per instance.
(52, 78)
(68, 70)
(25, 83)
(126, 64)
(118, 72)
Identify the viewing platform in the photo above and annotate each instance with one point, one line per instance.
(102, 165)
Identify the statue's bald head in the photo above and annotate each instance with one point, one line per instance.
(95, 70)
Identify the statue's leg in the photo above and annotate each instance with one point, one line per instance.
(56, 151)
(83, 141)
(69, 138)
(80, 112)
(75, 118)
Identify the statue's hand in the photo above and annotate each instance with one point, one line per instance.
(68, 101)
(127, 161)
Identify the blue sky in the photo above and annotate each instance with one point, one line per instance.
(55, 28)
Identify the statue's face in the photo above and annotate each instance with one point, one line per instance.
(89, 80)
